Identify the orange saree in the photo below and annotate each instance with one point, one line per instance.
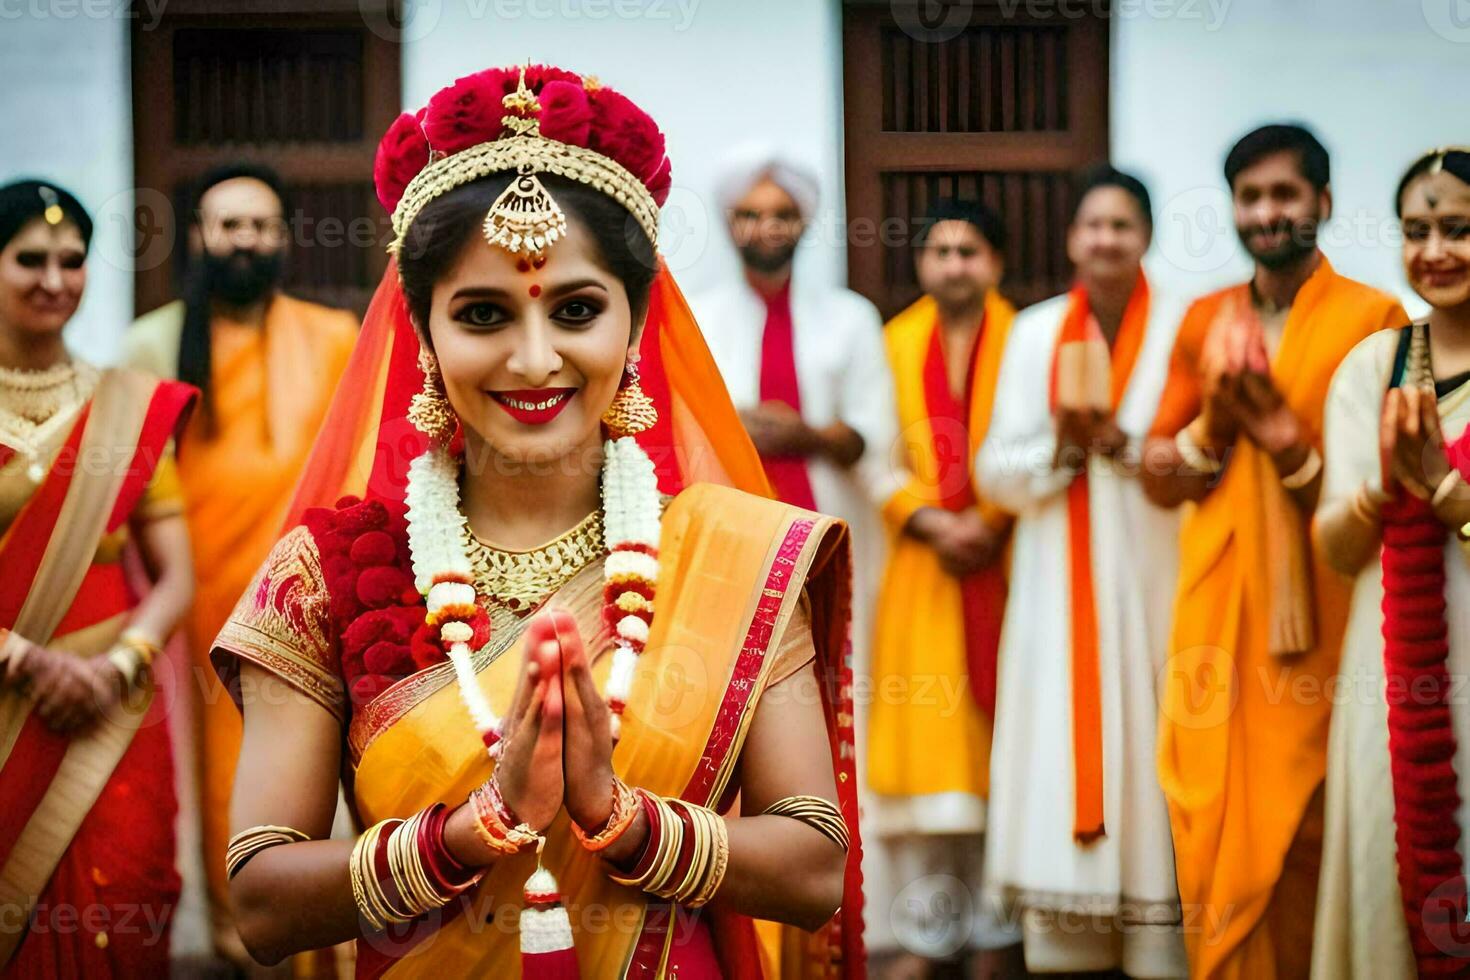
(734, 567)
(87, 880)
(1243, 729)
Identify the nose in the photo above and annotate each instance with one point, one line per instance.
(535, 357)
(51, 276)
(1434, 246)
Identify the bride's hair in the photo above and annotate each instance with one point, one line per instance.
(446, 224)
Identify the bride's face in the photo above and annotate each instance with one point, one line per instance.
(531, 354)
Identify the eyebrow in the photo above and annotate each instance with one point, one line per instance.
(494, 292)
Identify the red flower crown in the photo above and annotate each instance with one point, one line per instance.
(532, 105)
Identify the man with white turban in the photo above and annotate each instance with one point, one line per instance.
(806, 365)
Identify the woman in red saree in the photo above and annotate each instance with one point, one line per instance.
(545, 550)
(87, 881)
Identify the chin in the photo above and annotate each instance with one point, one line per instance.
(1444, 297)
(540, 446)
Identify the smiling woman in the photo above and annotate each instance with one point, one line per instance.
(86, 769)
(643, 645)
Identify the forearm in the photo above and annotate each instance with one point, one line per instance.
(1167, 479)
(783, 870)
(1299, 466)
(1347, 534)
(840, 443)
(295, 897)
(167, 544)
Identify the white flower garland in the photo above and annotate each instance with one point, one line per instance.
(444, 574)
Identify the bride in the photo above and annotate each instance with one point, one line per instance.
(589, 700)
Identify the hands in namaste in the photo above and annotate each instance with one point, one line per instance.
(1239, 395)
(1411, 445)
(558, 748)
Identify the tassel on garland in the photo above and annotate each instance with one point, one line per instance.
(547, 952)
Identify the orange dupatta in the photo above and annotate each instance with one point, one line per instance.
(1086, 374)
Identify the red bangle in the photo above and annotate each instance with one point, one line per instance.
(447, 872)
(686, 849)
(650, 846)
(382, 869)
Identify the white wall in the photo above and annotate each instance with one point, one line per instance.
(711, 72)
(66, 115)
(1378, 82)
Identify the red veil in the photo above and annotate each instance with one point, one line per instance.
(366, 443)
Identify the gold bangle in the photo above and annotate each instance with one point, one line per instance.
(1447, 486)
(248, 843)
(1305, 473)
(127, 662)
(1194, 457)
(721, 863)
(819, 814)
(492, 831)
(147, 650)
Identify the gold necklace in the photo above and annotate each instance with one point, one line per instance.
(33, 404)
(519, 581)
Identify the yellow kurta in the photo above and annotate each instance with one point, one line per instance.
(1243, 733)
(271, 387)
(927, 736)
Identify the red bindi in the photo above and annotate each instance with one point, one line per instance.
(535, 290)
(522, 265)
(539, 261)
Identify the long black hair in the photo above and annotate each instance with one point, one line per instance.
(196, 358)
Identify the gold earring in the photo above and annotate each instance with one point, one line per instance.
(631, 411)
(429, 410)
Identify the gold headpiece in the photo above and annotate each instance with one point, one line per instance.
(525, 220)
(52, 213)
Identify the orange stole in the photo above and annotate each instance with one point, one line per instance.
(719, 556)
(270, 389)
(920, 628)
(1078, 335)
(1240, 751)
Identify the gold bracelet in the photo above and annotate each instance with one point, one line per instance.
(1447, 486)
(699, 856)
(367, 893)
(819, 814)
(248, 843)
(492, 831)
(716, 874)
(1305, 473)
(1194, 457)
(625, 808)
(127, 662)
(148, 651)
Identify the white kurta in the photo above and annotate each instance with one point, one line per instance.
(842, 371)
(1360, 930)
(843, 374)
(1032, 862)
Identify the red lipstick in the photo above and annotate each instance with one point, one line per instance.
(534, 406)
